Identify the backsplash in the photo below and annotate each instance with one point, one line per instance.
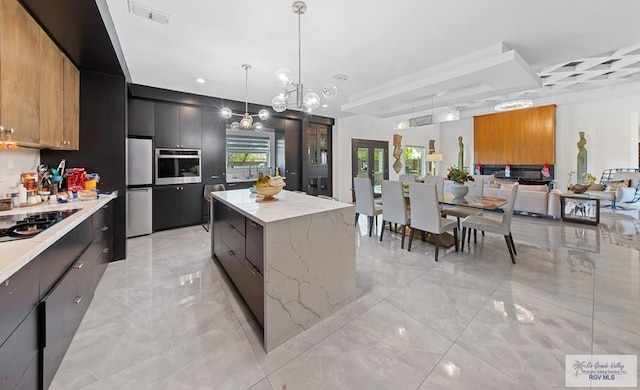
(13, 163)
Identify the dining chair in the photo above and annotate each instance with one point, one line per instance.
(407, 178)
(439, 183)
(208, 189)
(475, 190)
(493, 225)
(394, 209)
(364, 201)
(425, 214)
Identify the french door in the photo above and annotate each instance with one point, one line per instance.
(370, 159)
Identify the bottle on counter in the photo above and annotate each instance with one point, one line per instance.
(22, 194)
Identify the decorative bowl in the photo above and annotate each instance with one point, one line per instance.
(268, 192)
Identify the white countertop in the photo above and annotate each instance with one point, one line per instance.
(288, 205)
(16, 254)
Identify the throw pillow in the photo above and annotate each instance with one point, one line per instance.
(618, 184)
(596, 187)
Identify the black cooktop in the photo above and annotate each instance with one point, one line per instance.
(27, 225)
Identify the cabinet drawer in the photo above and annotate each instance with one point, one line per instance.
(235, 219)
(250, 283)
(233, 240)
(254, 250)
(18, 296)
(19, 351)
(29, 380)
(99, 221)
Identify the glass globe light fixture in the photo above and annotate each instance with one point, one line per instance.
(246, 123)
(284, 79)
(311, 101)
(279, 103)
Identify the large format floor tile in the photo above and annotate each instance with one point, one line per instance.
(169, 318)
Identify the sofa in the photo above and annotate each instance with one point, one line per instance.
(603, 190)
(531, 199)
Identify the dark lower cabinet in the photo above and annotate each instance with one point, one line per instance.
(42, 305)
(235, 241)
(177, 205)
(18, 351)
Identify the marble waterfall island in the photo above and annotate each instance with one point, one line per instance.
(292, 260)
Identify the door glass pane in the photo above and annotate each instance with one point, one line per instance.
(312, 145)
(363, 162)
(414, 160)
(324, 151)
(378, 167)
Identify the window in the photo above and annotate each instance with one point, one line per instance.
(414, 160)
(248, 154)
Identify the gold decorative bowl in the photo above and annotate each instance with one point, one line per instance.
(268, 192)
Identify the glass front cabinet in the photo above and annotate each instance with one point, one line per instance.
(318, 148)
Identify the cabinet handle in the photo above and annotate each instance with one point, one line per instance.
(79, 265)
(77, 300)
(253, 269)
(106, 206)
(215, 177)
(182, 146)
(105, 250)
(253, 224)
(293, 173)
(177, 146)
(104, 229)
(230, 226)
(231, 253)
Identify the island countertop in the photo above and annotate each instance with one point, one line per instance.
(288, 205)
(16, 254)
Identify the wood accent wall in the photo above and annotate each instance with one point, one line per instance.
(526, 136)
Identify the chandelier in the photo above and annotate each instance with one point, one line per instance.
(513, 105)
(246, 123)
(284, 79)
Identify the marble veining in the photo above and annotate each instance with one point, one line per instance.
(471, 321)
(15, 162)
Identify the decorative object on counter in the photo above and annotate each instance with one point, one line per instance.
(582, 158)
(507, 171)
(6, 204)
(570, 177)
(246, 123)
(284, 79)
(268, 186)
(460, 153)
(6, 143)
(397, 152)
(75, 180)
(459, 177)
(588, 178)
(478, 169)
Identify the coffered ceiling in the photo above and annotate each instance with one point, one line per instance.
(398, 56)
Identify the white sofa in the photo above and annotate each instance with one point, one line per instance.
(531, 199)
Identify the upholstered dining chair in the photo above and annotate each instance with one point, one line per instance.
(439, 183)
(364, 201)
(407, 178)
(208, 189)
(493, 225)
(425, 214)
(394, 209)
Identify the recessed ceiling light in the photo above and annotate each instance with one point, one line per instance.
(325, 105)
(201, 80)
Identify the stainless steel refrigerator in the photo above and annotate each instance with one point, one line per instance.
(139, 187)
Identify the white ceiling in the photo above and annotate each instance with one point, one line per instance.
(397, 54)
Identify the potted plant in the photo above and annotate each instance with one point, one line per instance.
(459, 176)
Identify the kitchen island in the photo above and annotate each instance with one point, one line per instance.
(292, 259)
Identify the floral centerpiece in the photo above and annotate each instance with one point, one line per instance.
(458, 175)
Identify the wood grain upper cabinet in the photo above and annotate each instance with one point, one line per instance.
(19, 69)
(51, 129)
(70, 105)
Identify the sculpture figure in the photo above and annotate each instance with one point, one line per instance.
(582, 158)
(460, 153)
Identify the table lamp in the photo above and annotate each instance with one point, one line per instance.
(432, 158)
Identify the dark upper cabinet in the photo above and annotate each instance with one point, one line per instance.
(317, 159)
(177, 205)
(141, 118)
(213, 147)
(177, 126)
(292, 155)
(190, 127)
(167, 125)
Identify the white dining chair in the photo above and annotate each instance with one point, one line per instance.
(394, 209)
(364, 201)
(425, 214)
(476, 189)
(493, 225)
(404, 178)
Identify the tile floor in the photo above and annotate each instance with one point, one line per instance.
(168, 318)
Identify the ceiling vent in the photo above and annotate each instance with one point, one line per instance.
(340, 77)
(148, 13)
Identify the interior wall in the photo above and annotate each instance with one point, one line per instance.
(611, 127)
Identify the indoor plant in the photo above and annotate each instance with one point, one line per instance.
(459, 177)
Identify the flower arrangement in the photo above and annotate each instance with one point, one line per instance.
(458, 175)
(589, 179)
